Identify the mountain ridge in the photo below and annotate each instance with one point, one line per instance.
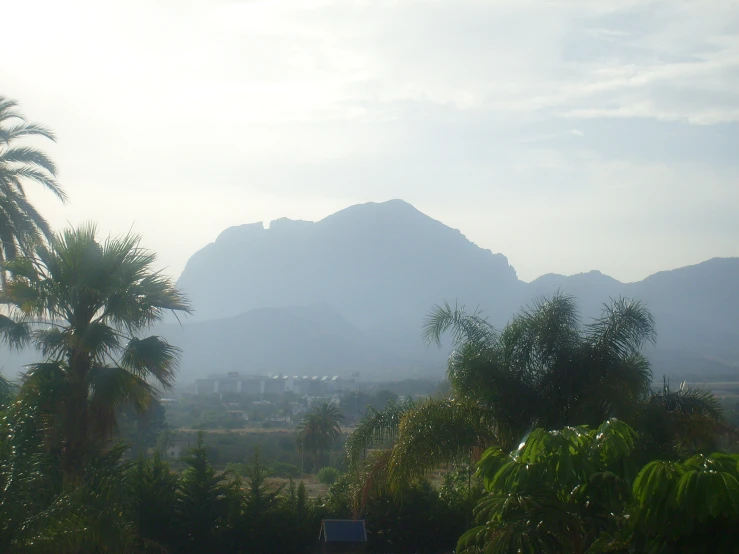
(382, 266)
(351, 291)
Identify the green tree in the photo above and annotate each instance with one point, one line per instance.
(319, 429)
(201, 502)
(300, 513)
(545, 369)
(417, 519)
(327, 475)
(38, 515)
(154, 486)
(83, 303)
(29, 474)
(690, 506)
(21, 225)
(560, 491)
(676, 423)
(260, 509)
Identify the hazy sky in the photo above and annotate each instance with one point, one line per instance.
(567, 135)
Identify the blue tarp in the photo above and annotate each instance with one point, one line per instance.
(343, 530)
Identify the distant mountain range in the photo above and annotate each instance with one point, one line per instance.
(350, 292)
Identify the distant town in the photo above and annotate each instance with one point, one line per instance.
(235, 382)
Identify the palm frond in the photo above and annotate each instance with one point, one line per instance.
(29, 157)
(110, 388)
(464, 327)
(16, 334)
(52, 341)
(439, 432)
(542, 334)
(21, 164)
(377, 429)
(22, 130)
(152, 356)
(623, 328)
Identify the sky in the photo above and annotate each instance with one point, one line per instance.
(567, 135)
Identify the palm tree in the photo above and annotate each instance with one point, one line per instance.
(544, 369)
(20, 224)
(319, 429)
(83, 303)
(680, 422)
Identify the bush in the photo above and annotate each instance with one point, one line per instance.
(327, 475)
(282, 469)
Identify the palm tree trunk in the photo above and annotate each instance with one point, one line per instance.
(76, 420)
(75, 452)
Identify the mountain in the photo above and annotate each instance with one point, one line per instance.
(350, 292)
(382, 266)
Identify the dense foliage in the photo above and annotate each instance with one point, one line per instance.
(545, 369)
(577, 490)
(560, 491)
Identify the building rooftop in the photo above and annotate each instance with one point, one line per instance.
(343, 530)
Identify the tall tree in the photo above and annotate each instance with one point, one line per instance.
(154, 487)
(545, 369)
(201, 502)
(319, 429)
(260, 505)
(679, 422)
(21, 225)
(84, 303)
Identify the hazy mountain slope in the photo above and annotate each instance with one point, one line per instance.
(296, 340)
(696, 309)
(381, 266)
(591, 289)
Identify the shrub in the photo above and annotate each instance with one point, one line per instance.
(282, 469)
(327, 475)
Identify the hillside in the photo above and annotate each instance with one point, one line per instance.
(296, 340)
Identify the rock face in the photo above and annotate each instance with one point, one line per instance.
(371, 262)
